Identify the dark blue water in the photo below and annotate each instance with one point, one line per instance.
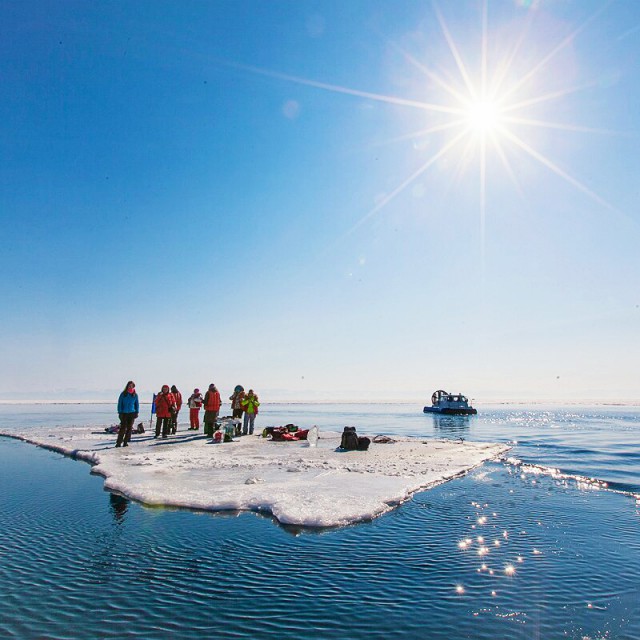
(77, 562)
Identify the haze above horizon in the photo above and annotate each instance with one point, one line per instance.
(321, 201)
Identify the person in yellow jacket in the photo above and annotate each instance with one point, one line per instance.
(250, 404)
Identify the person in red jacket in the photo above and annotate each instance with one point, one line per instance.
(212, 404)
(178, 398)
(195, 402)
(165, 408)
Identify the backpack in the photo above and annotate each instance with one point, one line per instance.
(363, 443)
(349, 441)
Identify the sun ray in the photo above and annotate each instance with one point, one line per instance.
(434, 77)
(555, 168)
(525, 78)
(455, 53)
(545, 124)
(505, 66)
(465, 160)
(346, 90)
(417, 134)
(483, 197)
(483, 106)
(484, 49)
(507, 165)
(547, 97)
(400, 188)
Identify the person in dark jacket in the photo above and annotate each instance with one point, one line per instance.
(128, 409)
(178, 398)
(236, 401)
(165, 408)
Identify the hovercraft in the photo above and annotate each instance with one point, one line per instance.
(450, 404)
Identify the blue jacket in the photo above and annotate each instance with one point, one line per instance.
(128, 403)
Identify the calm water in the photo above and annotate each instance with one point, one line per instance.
(76, 562)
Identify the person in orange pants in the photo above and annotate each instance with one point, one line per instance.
(195, 402)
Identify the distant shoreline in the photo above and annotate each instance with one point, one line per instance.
(563, 403)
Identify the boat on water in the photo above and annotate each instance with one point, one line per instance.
(450, 404)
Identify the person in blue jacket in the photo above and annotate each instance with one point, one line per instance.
(128, 409)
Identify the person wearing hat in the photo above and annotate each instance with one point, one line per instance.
(128, 409)
(212, 404)
(165, 408)
(236, 401)
(250, 405)
(195, 402)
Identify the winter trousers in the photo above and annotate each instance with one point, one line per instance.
(174, 422)
(210, 418)
(165, 425)
(247, 423)
(126, 424)
(194, 418)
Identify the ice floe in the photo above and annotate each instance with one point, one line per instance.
(296, 483)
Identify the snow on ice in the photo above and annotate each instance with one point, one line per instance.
(298, 484)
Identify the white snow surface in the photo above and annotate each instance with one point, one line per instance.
(298, 484)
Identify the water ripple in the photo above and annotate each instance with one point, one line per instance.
(566, 564)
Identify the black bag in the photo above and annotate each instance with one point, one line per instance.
(363, 443)
(349, 441)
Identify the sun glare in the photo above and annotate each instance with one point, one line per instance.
(483, 116)
(483, 109)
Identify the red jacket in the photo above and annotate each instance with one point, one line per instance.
(178, 397)
(163, 403)
(212, 401)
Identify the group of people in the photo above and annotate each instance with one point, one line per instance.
(169, 402)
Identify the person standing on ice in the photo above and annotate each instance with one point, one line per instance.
(195, 402)
(236, 401)
(250, 406)
(165, 408)
(212, 404)
(178, 398)
(128, 409)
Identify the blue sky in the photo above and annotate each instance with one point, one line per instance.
(321, 200)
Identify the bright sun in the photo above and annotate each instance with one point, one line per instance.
(486, 109)
(483, 116)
